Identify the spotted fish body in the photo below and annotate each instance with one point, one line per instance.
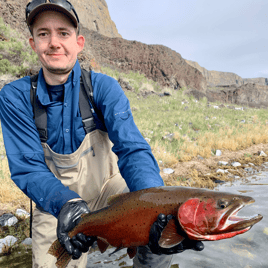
(199, 214)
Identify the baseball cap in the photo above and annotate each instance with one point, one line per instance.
(35, 7)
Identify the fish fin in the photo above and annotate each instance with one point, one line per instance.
(58, 251)
(132, 252)
(102, 244)
(170, 237)
(117, 249)
(114, 198)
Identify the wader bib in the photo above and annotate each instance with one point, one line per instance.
(92, 172)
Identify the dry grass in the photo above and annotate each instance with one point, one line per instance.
(11, 197)
(197, 130)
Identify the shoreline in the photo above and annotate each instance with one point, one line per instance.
(197, 172)
(202, 172)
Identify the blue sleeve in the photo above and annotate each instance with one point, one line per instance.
(24, 150)
(136, 162)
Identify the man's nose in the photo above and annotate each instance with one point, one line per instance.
(54, 40)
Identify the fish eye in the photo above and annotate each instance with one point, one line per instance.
(222, 204)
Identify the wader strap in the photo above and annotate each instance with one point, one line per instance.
(85, 96)
(40, 115)
(85, 109)
(87, 86)
(31, 217)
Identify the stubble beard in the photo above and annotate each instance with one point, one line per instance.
(59, 70)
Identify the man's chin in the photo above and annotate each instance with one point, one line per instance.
(59, 70)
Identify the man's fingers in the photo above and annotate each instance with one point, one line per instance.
(66, 243)
(198, 246)
(161, 220)
(76, 254)
(79, 245)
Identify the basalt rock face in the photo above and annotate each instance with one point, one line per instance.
(13, 13)
(93, 14)
(156, 62)
(252, 95)
(215, 78)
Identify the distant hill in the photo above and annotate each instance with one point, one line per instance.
(216, 78)
(106, 47)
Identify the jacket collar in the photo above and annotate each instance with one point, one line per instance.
(42, 92)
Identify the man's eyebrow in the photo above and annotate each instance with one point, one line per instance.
(42, 29)
(64, 29)
(58, 29)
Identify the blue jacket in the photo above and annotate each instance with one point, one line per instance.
(28, 169)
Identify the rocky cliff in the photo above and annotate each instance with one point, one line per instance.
(156, 62)
(215, 78)
(251, 95)
(93, 14)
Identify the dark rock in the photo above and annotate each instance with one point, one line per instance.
(167, 94)
(219, 181)
(216, 78)
(156, 62)
(4, 218)
(124, 84)
(252, 95)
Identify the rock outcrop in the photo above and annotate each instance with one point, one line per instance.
(251, 95)
(215, 78)
(93, 14)
(156, 62)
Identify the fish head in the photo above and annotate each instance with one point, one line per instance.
(213, 216)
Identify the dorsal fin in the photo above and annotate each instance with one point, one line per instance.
(170, 237)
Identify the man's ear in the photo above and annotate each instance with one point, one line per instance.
(80, 42)
(31, 42)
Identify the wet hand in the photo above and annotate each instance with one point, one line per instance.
(68, 218)
(155, 234)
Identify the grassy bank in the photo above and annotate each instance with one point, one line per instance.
(177, 127)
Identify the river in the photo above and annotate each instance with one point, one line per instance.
(248, 250)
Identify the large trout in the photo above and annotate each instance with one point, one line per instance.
(198, 213)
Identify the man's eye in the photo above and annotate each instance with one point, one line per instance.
(64, 34)
(42, 34)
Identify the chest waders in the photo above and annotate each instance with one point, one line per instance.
(91, 171)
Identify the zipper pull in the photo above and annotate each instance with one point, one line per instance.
(93, 151)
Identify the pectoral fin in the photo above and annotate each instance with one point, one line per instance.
(170, 237)
(102, 244)
(131, 252)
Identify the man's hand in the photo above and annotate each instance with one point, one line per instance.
(155, 234)
(68, 218)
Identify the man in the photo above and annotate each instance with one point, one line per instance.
(73, 172)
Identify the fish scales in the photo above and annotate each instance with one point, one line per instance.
(199, 214)
(140, 211)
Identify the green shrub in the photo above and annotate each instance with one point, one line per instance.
(16, 55)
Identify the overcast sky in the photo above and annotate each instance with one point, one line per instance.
(228, 36)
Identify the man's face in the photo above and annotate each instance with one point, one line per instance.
(55, 42)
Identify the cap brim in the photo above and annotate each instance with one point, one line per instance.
(50, 7)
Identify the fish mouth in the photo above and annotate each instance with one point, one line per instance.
(231, 224)
(238, 223)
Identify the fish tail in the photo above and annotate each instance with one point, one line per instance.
(58, 251)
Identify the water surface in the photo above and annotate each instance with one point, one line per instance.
(248, 250)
